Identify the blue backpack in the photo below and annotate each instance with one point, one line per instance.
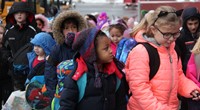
(127, 44)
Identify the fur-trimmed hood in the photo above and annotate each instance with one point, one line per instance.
(57, 33)
(45, 20)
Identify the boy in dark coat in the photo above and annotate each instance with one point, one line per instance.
(21, 29)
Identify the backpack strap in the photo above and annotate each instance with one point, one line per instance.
(82, 81)
(154, 59)
(178, 51)
(117, 84)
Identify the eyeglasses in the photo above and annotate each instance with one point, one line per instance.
(165, 13)
(169, 35)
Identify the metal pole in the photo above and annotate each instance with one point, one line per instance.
(58, 4)
(34, 2)
(139, 9)
(45, 6)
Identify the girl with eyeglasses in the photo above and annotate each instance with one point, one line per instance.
(159, 28)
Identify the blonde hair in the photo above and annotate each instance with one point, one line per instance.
(152, 18)
(196, 48)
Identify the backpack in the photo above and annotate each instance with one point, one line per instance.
(127, 44)
(63, 69)
(20, 60)
(36, 97)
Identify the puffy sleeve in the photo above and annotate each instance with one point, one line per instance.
(137, 74)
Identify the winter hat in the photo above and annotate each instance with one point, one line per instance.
(101, 20)
(45, 41)
(130, 22)
(45, 21)
(190, 12)
(84, 43)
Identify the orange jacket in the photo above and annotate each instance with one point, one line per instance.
(160, 93)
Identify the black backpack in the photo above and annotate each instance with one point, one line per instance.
(127, 44)
(20, 60)
(154, 58)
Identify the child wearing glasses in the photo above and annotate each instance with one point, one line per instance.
(160, 29)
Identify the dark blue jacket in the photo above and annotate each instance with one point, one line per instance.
(103, 98)
(58, 54)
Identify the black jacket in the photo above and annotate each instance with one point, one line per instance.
(104, 98)
(4, 64)
(187, 40)
(58, 54)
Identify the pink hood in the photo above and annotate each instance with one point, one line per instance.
(45, 20)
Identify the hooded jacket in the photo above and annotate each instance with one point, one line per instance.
(99, 94)
(16, 36)
(60, 51)
(23, 7)
(45, 20)
(159, 93)
(186, 40)
(46, 42)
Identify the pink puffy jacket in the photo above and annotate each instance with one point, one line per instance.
(160, 93)
(191, 72)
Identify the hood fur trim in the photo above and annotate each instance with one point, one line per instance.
(57, 33)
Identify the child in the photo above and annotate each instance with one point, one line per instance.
(20, 30)
(42, 23)
(159, 28)
(5, 80)
(116, 31)
(91, 20)
(193, 72)
(66, 22)
(95, 59)
(43, 43)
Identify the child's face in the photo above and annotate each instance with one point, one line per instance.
(38, 50)
(115, 35)
(20, 17)
(1, 34)
(39, 24)
(69, 27)
(104, 52)
(193, 25)
(166, 34)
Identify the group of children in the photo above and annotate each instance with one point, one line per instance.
(93, 50)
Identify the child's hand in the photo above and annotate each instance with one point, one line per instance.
(195, 95)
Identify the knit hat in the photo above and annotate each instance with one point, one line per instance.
(85, 44)
(102, 19)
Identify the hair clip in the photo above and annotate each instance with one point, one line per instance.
(179, 12)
